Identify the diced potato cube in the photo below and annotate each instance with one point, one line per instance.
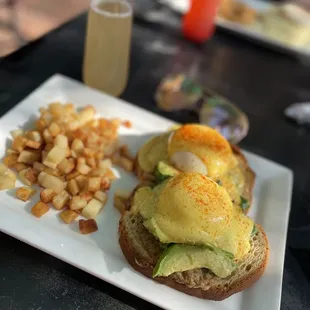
(126, 163)
(66, 165)
(124, 151)
(33, 144)
(41, 124)
(99, 172)
(6, 182)
(32, 175)
(61, 140)
(86, 115)
(28, 157)
(89, 152)
(17, 132)
(93, 184)
(87, 226)
(119, 204)
(81, 160)
(122, 194)
(54, 129)
(92, 209)
(101, 196)
(51, 181)
(105, 183)
(77, 145)
(77, 203)
(48, 138)
(88, 196)
(47, 195)
(24, 193)
(73, 187)
(10, 160)
(56, 109)
(105, 163)
(72, 175)
(60, 200)
(91, 162)
(19, 143)
(81, 180)
(20, 166)
(5, 171)
(83, 168)
(54, 157)
(11, 152)
(35, 136)
(39, 209)
(28, 176)
(68, 216)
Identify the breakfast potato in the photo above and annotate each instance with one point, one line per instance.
(77, 146)
(28, 176)
(93, 184)
(54, 129)
(10, 160)
(88, 226)
(47, 195)
(82, 181)
(91, 162)
(20, 166)
(24, 193)
(54, 157)
(77, 203)
(92, 209)
(88, 196)
(120, 200)
(48, 138)
(125, 163)
(101, 196)
(61, 141)
(60, 200)
(83, 168)
(68, 216)
(105, 183)
(39, 209)
(73, 187)
(67, 165)
(49, 181)
(6, 182)
(19, 143)
(72, 175)
(28, 157)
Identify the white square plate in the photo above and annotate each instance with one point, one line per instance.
(99, 254)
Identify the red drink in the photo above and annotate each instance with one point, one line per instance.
(198, 23)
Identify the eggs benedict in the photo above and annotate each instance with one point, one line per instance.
(201, 149)
(186, 230)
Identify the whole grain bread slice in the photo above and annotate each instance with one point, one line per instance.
(249, 175)
(142, 251)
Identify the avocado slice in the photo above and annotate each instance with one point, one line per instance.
(164, 171)
(182, 257)
(244, 204)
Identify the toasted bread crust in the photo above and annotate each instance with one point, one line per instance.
(243, 163)
(213, 294)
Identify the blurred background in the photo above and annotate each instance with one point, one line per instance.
(22, 21)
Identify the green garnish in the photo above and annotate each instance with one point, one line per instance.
(254, 230)
(244, 204)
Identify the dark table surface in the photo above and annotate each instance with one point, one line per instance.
(262, 82)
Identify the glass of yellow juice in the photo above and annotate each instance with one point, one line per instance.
(107, 45)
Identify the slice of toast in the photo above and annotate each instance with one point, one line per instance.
(142, 251)
(249, 174)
